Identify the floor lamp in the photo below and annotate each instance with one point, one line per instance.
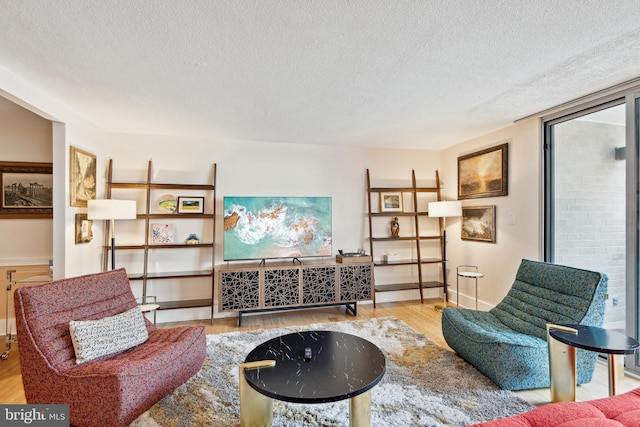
(109, 209)
(444, 210)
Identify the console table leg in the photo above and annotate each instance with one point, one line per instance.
(256, 410)
(616, 372)
(360, 410)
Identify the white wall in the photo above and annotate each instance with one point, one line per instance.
(24, 137)
(499, 262)
(68, 128)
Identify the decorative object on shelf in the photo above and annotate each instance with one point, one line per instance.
(395, 227)
(191, 205)
(350, 257)
(84, 229)
(359, 252)
(444, 209)
(192, 239)
(484, 173)
(110, 209)
(167, 203)
(391, 257)
(162, 233)
(82, 177)
(391, 201)
(479, 223)
(27, 190)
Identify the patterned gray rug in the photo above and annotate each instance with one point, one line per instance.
(424, 385)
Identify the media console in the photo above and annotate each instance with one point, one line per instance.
(259, 288)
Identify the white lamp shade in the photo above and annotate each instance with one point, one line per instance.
(111, 209)
(445, 209)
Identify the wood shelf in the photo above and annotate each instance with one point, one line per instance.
(392, 287)
(171, 305)
(414, 237)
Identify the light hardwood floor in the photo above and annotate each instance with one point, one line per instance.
(421, 317)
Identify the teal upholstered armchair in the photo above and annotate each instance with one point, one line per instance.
(508, 343)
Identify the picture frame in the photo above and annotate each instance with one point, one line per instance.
(479, 223)
(484, 173)
(84, 228)
(162, 234)
(391, 201)
(82, 177)
(190, 205)
(27, 190)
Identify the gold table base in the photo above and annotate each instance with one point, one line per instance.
(256, 409)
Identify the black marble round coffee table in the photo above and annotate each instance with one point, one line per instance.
(612, 343)
(310, 367)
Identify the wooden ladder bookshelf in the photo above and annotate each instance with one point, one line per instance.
(148, 247)
(413, 240)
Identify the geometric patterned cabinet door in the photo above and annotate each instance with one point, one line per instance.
(247, 288)
(355, 282)
(239, 289)
(319, 285)
(281, 287)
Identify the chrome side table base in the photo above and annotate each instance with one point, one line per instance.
(469, 275)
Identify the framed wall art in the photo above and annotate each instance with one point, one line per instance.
(479, 223)
(84, 228)
(190, 205)
(27, 190)
(162, 233)
(483, 173)
(391, 201)
(82, 177)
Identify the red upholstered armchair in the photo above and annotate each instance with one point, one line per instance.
(111, 390)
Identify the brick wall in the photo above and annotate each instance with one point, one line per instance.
(590, 205)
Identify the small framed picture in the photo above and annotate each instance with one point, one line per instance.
(84, 232)
(162, 233)
(479, 223)
(82, 177)
(391, 201)
(190, 205)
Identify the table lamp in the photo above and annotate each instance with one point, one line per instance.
(444, 209)
(110, 209)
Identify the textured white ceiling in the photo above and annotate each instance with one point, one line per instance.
(378, 73)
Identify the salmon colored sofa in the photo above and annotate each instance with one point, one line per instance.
(111, 390)
(615, 411)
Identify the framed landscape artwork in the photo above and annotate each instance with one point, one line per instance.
(391, 201)
(190, 205)
(483, 173)
(27, 190)
(479, 223)
(82, 177)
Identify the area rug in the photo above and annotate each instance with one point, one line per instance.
(424, 385)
